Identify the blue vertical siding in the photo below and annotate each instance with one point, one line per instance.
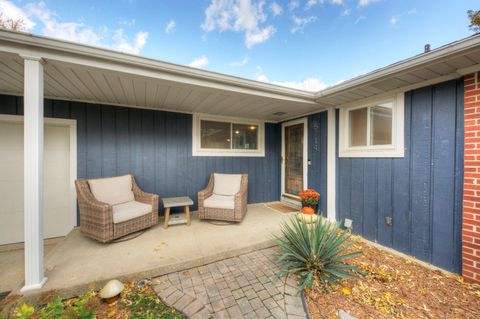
(422, 191)
(317, 155)
(156, 147)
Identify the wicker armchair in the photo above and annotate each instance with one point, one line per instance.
(97, 218)
(230, 207)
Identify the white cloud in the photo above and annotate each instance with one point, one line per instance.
(311, 84)
(310, 3)
(393, 21)
(121, 43)
(170, 26)
(199, 62)
(276, 9)
(337, 2)
(39, 18)
(412, 11)
(364, 3)
(360, 18)
(70, 31)
(240, 16)
(11, 11)
(241, 62)
(292, 5)
(128, 23)
(257, 36)
(300, 23)
(346, 12)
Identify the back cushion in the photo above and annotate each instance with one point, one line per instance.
(112, 190)
(226, 184)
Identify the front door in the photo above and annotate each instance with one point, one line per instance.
(294, 150)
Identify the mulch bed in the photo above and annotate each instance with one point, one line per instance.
(396, 287)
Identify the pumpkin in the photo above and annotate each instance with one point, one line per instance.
(308, 210)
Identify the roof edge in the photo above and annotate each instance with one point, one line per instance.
(403, 65)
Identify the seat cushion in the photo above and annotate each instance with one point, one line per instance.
(226, 184)
(112, 190)
(129, 210)
(219, 201)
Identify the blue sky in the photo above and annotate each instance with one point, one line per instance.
(305, 44)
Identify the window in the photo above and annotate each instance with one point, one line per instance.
(372, 130)
(218, 136)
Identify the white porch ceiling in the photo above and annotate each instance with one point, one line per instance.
(79, 83)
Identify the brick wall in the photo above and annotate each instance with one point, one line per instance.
(471, 187)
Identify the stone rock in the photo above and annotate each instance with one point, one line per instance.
(111, 289)
(343, 315)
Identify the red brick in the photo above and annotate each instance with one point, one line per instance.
(471, 190)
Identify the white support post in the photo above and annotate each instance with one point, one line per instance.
(33, 172)
(331, 164)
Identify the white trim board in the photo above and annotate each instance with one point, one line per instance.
(303, 121)
(72, 124)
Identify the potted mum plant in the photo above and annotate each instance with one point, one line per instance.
(310, 198)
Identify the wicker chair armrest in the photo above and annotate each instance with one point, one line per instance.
(144, 197)
(91, 209)
(241, 196)
(206, 192)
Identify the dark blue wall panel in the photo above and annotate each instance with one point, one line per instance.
(156, 147)
(317, 155)
(422, 191)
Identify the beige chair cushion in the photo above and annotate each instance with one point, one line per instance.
(129, 210)
(112, 190)
(226, 184)
(220, 201)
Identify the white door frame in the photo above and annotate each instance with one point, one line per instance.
(72, 124)
(303, 121)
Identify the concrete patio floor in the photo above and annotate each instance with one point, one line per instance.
(77, 261)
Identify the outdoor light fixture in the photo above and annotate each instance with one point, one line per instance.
(237, 132)
(253, 127)
(347, 223)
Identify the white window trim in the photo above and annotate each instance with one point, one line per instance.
(198, 151)
(396, 149)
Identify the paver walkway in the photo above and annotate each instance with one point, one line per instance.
(240, 287)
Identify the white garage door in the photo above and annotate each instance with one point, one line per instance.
(58, 209)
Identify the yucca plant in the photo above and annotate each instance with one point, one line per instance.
(316, 253)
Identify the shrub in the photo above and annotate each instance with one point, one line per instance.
(316, 253)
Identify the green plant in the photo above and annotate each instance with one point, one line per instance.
(53, 309)
(316, 253)
(24, 311)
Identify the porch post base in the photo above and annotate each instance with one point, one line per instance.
(31, 287)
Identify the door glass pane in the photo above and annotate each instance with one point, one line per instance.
(245, 136)
(381, 124)
(357, 120)
(215, 135)
(294, 159)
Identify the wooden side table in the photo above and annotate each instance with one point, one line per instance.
(170, 202)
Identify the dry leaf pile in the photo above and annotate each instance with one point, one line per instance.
(396, 287)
